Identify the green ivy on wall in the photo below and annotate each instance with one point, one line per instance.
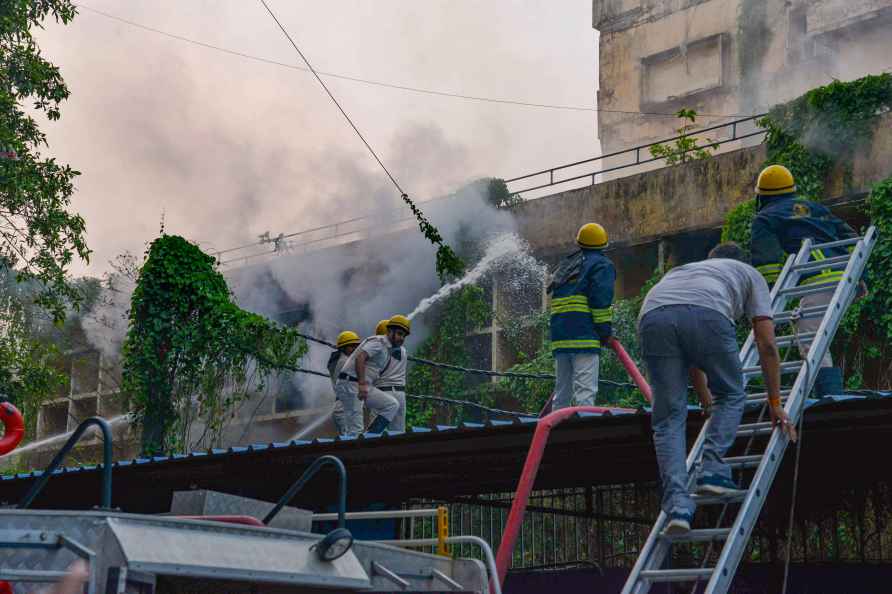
(460, 314)
(191, 355)
(866, 332)
(811, 135)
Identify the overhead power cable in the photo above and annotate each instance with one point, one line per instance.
(378, 83)
(332, 97)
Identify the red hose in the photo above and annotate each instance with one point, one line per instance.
(631, 368)
(528, 476)
(537, 449)
(245, 520)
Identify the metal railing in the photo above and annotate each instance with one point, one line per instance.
(439, 524)
(106, 493)
(636, 151)
(308, 474)
(473, 540)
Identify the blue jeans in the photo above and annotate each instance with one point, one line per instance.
(674, 338)
(576, 379)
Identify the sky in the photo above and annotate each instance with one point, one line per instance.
(225, 148)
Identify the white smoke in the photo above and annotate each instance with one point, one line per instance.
(353, 286)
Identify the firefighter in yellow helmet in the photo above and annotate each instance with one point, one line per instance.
(357, 382)
(393, 379)
(346, 343)
(581, 315)
(381, 328)
(783, 220)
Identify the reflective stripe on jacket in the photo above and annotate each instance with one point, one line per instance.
(782, 223)
(581, 312)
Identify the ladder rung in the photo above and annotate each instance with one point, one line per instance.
(735, 497)
(744, 461)
(702, 535)
(829, 263)
(784, 367)
(808, 289)
(839, 243)
(695, 574)
(762, 396)
(793, 339)
(754, 429)
(816, 311)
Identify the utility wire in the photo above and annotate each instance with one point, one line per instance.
(332, 97)
(377, 83)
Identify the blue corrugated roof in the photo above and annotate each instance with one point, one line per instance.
(411, 431)
(297, 443)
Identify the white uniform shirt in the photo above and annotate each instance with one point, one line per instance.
(378, 350)
(395, 374)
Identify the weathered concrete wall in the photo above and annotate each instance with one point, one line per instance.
(724, 57)
(673, 200)
(643, 207)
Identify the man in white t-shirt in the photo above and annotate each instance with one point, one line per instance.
(357, 380)
(686, 329)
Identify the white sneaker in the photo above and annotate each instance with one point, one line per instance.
(678, 524)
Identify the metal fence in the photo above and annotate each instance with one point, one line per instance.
(634, 157)
(604, 526)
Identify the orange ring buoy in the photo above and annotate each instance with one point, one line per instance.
(15, 428)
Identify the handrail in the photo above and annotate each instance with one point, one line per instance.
(395, 514)
(637, 150)
(305, 478)
(468, 539)
(105, 428)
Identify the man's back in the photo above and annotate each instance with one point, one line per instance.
(730, 287)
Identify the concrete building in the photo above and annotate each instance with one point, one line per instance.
(725, 58)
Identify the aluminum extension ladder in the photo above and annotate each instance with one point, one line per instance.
(649, 568)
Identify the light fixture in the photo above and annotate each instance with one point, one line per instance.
(335, 544)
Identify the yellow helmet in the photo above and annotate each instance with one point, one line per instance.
(346, 338)
(381, 328)
(592, 235)
(401, 322)
(775, 180)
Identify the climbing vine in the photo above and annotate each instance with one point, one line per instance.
(867, 327)
(460, 314)
(686, 147)
(448, 263)
(191, 355)
(812, 134)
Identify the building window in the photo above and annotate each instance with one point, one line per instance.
(684, 71)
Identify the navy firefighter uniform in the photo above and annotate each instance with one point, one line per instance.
(783, 220)
(581, 316)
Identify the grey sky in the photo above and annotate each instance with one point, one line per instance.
(229, 148)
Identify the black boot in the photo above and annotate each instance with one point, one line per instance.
(828, 382)
(378, 425)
